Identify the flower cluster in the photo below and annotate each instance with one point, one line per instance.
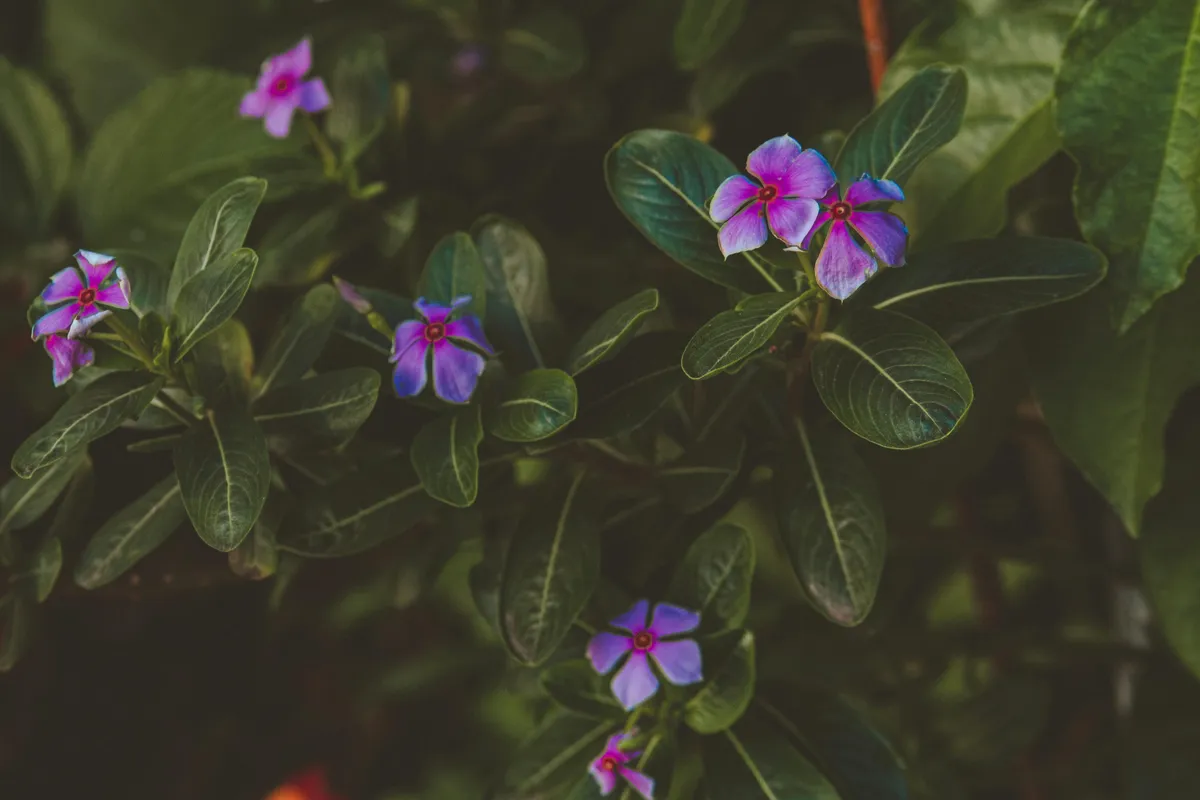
(281, 89)
(795, 195)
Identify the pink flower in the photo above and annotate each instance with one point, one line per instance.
(611, 763)
(85, 288)
(281, 90)
(69, 356)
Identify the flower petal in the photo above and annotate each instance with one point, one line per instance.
(96, 267)
(809, 175)
(407, 334)
(747, 230)
(843, 266)
(298, 60)
(605, 779)
(314, 96)
(68, 357)
(821, 219)
(733, 193)
(56, 321)
(635, 683)
(456, 371)
(604, 650)
(409, 376)
(64, 285)
(126, 287)
(432, 312)
(642, 784)
(791, 220)
(82, 324)
(885, 233)
(868, 190)
(613, 747)
(254, 104)
(679, 661)
(279, 118)
(672, 620)
(633, 620)
(113, 296)
(352, 296)
(770, 160)
(471, 330)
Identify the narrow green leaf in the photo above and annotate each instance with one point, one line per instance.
(620, 395)
(131, 534)
(891, 380)
(611, 332)
(361, 84)
(575, 686)
(704, 27)
(257, 557)
(734, 335)
(445, 454)
(715, 576)
(224, 473)
(702, 476)
(547, 46)
(45, 567)
(75, 506)
(217, 229)
(318, 413)
(300, 341)
(95, 411)
(755, 760)
(212, 297)
(299, 246)
(454, 269)
(24, 500)
(222, 364)
(36, 125)
(557, 753)
(725, 695)
(16, 626)
(536, 405)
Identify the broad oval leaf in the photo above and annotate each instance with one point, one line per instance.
(662, 182)
(445, 455)
(97, 410)
(921, 116)
(24, 500)
(536, 405)
(702, 475)
(557, 753)
(224, 473)
(732, 336)
(755, 760)
(611, 332)
(222, 364)
(212, 297)
(318, 413)
(831, 522)
(727, 691)
(704, 27)
(300, 341)
(454, 269)
(890, 379)
(547, 46)
(131, 534)
(715, 576)
(620, 395)
(217, 229)
(36, 125)
(552, 567)
(577, 687)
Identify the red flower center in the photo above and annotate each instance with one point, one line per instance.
(282, 85)
(643, 640)
(768, 193)
(840, 210)
(87, 296)
(435, 331)
(608, 763)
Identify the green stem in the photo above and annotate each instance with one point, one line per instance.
(174, 409)
(328, 160)
(131, 339)
(807, 265)
(765, 271)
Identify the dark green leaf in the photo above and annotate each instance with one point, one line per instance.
(16, 626)
(223, 363)
(45, 567)
(557, 753)
(147, 280)
(831, 521)
(755, 760)
(24, 500)
(536, 405)
(486, 576)
(400, 220)
(224, 473)
(75, 506)
(95, 411)
(257, 557)
(548, 46)
(130, 535)
(299, 246)
(662, 182)
(619, 395)
(575, 686)
(714, 578)
(921, 116)
(732, 336)
(609, 334)
(212, 297)
(890, 379)
(318, 413)
(727, 691)
(362, 88)
(445, 455)
(300, 341)
(704, 27)
(703, 475)
(35, 124)
(217, 229)
(452, 270)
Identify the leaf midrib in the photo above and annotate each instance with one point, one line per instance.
(833, 337)
(937, 287)
(186, 344)
(87, 415)
(552, 562)
(827, 512)
(103, 564)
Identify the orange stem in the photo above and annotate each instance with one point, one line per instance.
(875, 38)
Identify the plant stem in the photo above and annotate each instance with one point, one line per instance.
(174, 409)
(329, 163)
(131, 339)
(875, 39)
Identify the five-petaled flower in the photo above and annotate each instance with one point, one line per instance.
(308, 785)
(844, 265)
(69, 356)
(85, 289)
(791, 179)
(611, 763)
(282, 89)
(678, 660)
(456, 369)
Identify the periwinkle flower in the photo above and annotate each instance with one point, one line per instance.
(69, 356)
(791, 180)
(843, 264)
(678, 659)
(611, 763)
(456, 369)
(282, 89)
(85, 289)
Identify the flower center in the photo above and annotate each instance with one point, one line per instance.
(840, 210)
(87, 296)
(643, 640)
(768, 193)
(435, 331)
(608, 763)
(282, 85)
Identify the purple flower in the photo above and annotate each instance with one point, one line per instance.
(844, 265)
(611, 763)
(468, 60)
(456, 369)
(791, 180)
(281, 90)
(84, 287)
(352, 296)
(679, 660)
(68, 355)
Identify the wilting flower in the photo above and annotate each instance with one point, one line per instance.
(282, 89)
(678, 660)
(844, 265)
(308, 785)
(85, 289)
(611, 763)
(456, 369)
(791, 179)
(352, 296)
(69, 356)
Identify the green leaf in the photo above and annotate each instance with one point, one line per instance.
(24, 500)
(131, 534)
(921, 116)
(522, 320)
(536, 405)
(363, 90)
(703, 475)
(257, 557)
(1009, 51)
(212, 297)
(732, 336)
(611, 332)
(727, 693)
(147, 279)
(755, 760)
(831, 521)
(890, 379)
(223, 363)
(620, 395)
(552, 567)
(557, 753)
(75, 506)
(300, 341)
(16, 626)
(452, 270)
(575, 686)
(95, 411)
(662, 182)
(217, 229)
(704, 27)
(355, 327)
(445, 454)
(31, 118)
(299, 246)
(45, 567)
(1128, 93)
(318, 413)
(547, 46)
(224, 473)
(400, 220)
(714, 578)
(956, 287)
